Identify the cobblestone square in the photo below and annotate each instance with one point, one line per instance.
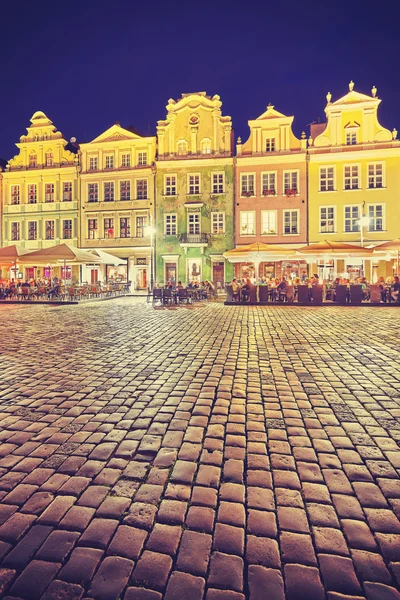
(206, 452)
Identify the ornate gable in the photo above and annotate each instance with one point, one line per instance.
(116, 133)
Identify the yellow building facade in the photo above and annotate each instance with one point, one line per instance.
(353, 182)
(40, 192)
(117, 204)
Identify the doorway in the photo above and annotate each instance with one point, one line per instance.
(218, 269)
(170, 272)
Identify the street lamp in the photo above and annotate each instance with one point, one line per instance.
(363, 222)
(150, 232)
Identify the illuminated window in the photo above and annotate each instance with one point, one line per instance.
(67, 191)
(49, 159)
(170, 185)
(182, 148)
(93, 163)
(291, 182)
(247, 222)
(32, 161)
(247, 184)
(170, 224)
(352, 218)
(375, 175)
(218, 183)
(268, 183)
(270, 145)
(67, 229)
(290, 222)
(194, 223)
(125, 190)
(32, 230)
(218, 222)
(15, 232)
(125, 160)
(32, 193)
(141, 224)
(93, 192)
(268, 222)
(92, 229)
(193, 184)
(109, 191)
(109, 228)
(142, 158)
(351, 138)
(376, 216)
(49, 192)
(141, 189)
(327, 179)
(205, 146)
(327, 219)
(351, 177)
(49, 230)
(15, 194)
(109, 161)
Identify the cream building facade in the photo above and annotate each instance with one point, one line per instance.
(40, 192)
(118, 202)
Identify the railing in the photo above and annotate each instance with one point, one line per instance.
(193, 238)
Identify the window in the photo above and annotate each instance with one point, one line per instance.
(247, 184)
(291, 182)
(109, 161)
(141, 223)
(32, 230)
(170, 185)
(376, 217)
(15, 194)
(32, 161)
(194, 223)
(92, 229)
(247, 223)
(93, 163)
(268, 222)
(375, 175)
(170, 225)
(15, 232)
(327, 179)
(218, 183)
(32, 193)
(93, 192)
(67, 191)
(351, 218)
(142, 158)
(124, 227)
(327, 219)
(109, 228)
(193, 184)
(67, 229)
(49, 159)
(290, 222)
(49, 230)
(125, 190)
(49, 192)
(270, 145)
(109, 191)
(141, 189)
(351, 138)
(351, 177)
(125, 160)
(205, 146)
(217, 222)
(268, 183)
(182, 148)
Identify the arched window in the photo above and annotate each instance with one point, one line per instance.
(182, 147)
(205, 146)
(32, 161)
(49, 159)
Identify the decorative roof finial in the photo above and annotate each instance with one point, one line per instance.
(329, 97)
(373, 91)
(310, 141)
(394, 133)
(303, 135)
(239, 140)
(351, 85)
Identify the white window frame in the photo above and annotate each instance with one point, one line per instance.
(194, 185)
(49, 158)
(51, 194)
(196, 222)
(216, 219)
(286, 188)
(96, 186)
(244, 227)
(111, 185)
(291, 210)
(106, 230)
(327, 179)
(217, 187)
(327, 208)
(374, 164)
(126, 192)
(17, 188)
(267, 186)
(171, 223)
(72, 229)
(205, 146)
(140, 162)
(96, 231)
(374, 204)
(351, 166)
(355, 219)
(110, 158)
(174, 185)
(269, 212)
(185, 145)
(245, 177)
(127, 228)
(351, 131)
(36, 231)
(31, 195)
(17, 239)
(270, 144)
(127, 159)
(137, 188)
(45, 229)
(67, 194)
(95, 160)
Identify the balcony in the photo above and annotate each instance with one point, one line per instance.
(194, 240)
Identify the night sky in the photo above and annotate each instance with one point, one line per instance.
(89, 64)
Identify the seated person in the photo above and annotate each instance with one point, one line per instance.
(235, 289)
(246, 291)
(382, 289)
(282, 289)
(396, 290)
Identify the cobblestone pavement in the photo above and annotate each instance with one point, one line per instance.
(203, 453)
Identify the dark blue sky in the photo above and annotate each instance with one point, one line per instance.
(88, 64)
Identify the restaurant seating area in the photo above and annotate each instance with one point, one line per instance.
(62, 293)
(177, 296)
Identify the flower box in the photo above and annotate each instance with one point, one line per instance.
(291, 192)
(269, 192)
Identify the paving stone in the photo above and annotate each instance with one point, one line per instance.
(57, 546)
(297, 548)
(303, 583)
(134, 593)
(99, 533)
(265, 583)
(127, 542)
(164, 539)
(59, 590)
(152, 570)
(181, 585)
(34, 580)
(379, 591)
(226, 572)
(370, 566)
(111, 578)
(330, 566)
(194, 552)
(262, 551)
